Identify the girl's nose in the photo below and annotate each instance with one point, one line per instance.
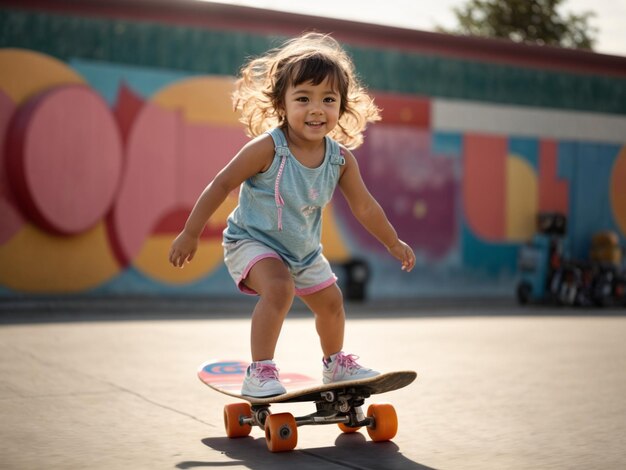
(317, 107)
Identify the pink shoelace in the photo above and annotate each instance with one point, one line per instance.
(347, 361)
(265, 372)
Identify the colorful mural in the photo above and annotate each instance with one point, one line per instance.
(92, 189)
(100, 163)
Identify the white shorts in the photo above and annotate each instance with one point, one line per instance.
(240, 256)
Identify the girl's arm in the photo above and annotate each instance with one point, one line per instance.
(369, 213)
(256, 156)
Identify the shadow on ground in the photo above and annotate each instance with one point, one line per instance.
(349, 451)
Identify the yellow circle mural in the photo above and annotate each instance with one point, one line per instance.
(521, 199)
(153, 257)
(26, 73)
(37, 262)
(201, 99)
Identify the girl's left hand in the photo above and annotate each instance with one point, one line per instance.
(404, 253)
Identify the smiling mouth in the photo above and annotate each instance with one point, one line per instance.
(315, 123)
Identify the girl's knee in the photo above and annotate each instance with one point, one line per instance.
(335, 307)
(280, 292)
(330, 303)
(283, 287)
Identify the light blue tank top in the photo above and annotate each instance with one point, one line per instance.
(282, 207)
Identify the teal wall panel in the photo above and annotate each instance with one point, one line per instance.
(199, 50)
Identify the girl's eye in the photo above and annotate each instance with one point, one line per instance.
(302, 99)
(329, 99)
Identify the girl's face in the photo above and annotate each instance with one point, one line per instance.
(312, 111)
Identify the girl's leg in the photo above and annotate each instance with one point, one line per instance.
(330, 318)
(271, 279)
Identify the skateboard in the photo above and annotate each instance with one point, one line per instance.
(337, 403)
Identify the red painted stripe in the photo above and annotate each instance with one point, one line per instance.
(404, 109)
(484, 185)
(553, 193)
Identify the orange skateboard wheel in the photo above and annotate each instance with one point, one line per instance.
(233, 412)
(385, 424)
(347, 429)
(281, 432)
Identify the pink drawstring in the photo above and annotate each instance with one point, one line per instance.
(277, 197)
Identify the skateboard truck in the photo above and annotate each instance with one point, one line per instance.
(334, 407)
(343, 407)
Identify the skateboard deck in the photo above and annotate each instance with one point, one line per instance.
(338, 403)
(227, 377)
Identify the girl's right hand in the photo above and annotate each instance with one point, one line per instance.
(183, 249)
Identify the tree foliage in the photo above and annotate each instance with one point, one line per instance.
(530, 21)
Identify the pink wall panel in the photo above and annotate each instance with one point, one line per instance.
(149, 187)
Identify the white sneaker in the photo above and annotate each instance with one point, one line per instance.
(261, 380)
(343, 367)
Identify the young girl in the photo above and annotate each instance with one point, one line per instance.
(305, 108)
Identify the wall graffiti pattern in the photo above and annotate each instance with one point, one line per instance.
(100, 166)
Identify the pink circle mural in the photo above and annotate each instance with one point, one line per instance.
(64, 159)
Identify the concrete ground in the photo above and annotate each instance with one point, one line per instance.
(499, 387)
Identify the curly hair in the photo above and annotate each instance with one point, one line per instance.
(313, 57)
